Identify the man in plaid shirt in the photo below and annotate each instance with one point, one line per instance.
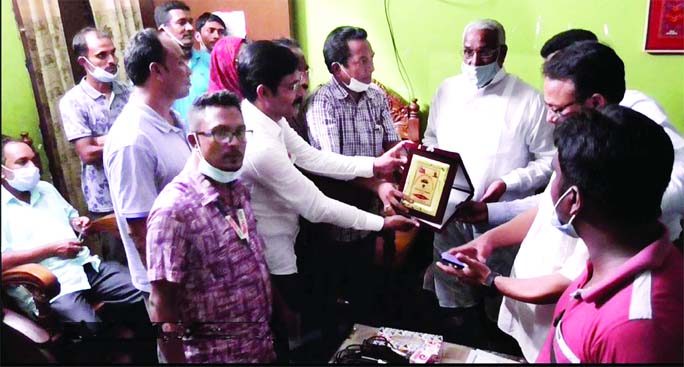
(350, 116)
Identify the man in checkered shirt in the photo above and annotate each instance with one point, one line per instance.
(350, 116)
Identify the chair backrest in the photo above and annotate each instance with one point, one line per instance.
(105, 224)
(404, 114)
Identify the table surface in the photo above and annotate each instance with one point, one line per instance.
(449, 353)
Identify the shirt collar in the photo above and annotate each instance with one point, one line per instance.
(156, 119)
(651, 257)
(95, 94)
(338, 90)
(198, 57)
(255, 116)
(207, 191)
(7, 196)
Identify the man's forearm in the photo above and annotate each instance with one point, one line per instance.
(540, 290)
(137, 229)
(164, 312)
(90, 149)
(14, 258)
(513, 232)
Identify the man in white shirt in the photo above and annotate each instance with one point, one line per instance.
(495, 121)
(673, 209)
(269, 79)
(146, 147)
(585, 75)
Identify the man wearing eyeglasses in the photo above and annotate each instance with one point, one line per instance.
(495, 121)
(583, 76)
(270, 82)
(206, 260)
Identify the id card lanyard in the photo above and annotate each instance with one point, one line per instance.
(241, 229)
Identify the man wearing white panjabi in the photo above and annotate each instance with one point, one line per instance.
(496, 122)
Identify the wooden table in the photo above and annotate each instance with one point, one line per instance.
(449, 353)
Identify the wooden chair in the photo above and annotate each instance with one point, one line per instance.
(40, 331)
(404, 114)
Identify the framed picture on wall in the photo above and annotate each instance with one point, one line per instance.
(665, 27)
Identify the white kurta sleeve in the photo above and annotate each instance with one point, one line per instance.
(538, 135)
(325, 163)
(274, 171)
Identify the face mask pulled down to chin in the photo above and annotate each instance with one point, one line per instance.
(354, 84)
(214, 173)
(100, 74)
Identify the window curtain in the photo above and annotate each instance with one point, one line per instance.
(49, 55)
(122, 19)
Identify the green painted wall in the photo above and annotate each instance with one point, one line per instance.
(429, 39)
(19, 111)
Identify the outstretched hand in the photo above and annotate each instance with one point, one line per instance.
(392, 160)
(494, 192)
(475, 273)
(80, 224)
(391, 199)
(472, 212)
(400, 223)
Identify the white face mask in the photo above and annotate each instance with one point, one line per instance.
(175, 39)
(566, 228)
(480, 75)
(203, 47)
(25, 178)
(100, 74)
(214, 173)
(355, 85)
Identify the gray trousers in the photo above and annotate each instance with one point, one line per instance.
(111, 285)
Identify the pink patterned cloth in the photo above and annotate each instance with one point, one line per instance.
(223, 66)
(225, 296)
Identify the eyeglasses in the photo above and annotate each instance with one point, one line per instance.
(483, 52)
(558, 111)
(223, 134)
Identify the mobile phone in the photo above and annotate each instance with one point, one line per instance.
(452, 260)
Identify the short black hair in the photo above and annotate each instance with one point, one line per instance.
(287, 42)
(207, 17)
(6, 139)
(336, 48)
(221, 98)
(79, 44)
(619, 159)
(565, 39)
(143, 49)
(264, 62)
(592, 67)
(161, 12)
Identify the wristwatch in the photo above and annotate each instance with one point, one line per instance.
(489, 281)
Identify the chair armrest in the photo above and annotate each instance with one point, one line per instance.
(38, 280)
(105, 224)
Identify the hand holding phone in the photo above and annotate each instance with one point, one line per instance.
(450, 259)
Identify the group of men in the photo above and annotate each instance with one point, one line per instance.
(208, 191)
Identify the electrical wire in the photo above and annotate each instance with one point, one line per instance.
(400, 64)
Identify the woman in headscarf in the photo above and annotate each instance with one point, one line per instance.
(223, 66)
